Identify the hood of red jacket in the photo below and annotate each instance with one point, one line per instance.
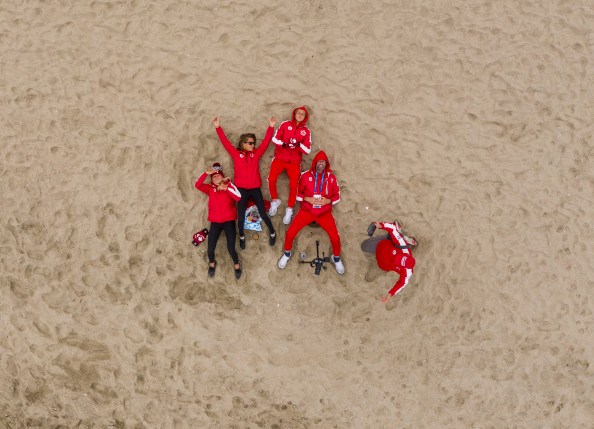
(304, 123)
(320, 155)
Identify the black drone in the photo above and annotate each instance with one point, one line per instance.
(318, 263)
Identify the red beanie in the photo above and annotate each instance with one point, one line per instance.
(218, 169)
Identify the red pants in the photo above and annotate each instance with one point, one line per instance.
(293, 171)
(325, 220)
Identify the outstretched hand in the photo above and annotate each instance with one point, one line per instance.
(386, 298)
(216, 122)
(272, 121)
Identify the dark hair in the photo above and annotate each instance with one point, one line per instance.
(243, 138)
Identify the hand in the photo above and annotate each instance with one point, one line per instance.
(291, 144)
(216, 122)
(272, 121)
(211, 171)
(377, 224)
(223, 187)
(386, 298)
(371, 228)
(316, 201)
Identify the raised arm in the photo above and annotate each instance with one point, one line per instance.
(222, 137)
(267, 138)
(200, 185)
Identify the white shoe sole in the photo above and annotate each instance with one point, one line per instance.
(339, 268)
(274, 208)
(282, 262)
(287, 218)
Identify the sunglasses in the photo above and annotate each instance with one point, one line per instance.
(252, 143)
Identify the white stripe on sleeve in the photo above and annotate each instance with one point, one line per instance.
(234, 190)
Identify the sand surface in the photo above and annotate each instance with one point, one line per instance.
(471, 122)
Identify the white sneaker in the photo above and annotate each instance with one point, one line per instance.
(274, 205)
(282, 262)
(339, 266)
(288, 216)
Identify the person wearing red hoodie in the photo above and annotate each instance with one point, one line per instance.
(246, 174)
(291, 141)
(318, 192)
(222, 196)
(393, 253)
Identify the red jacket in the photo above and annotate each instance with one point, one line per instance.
(392, 254)
(292, 140)
(221, 204)
(246, 165)
(312, 183)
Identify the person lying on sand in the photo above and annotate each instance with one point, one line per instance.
(222, 195)
(246, 174)
(393, 253)
(291, 141)
(318, 192)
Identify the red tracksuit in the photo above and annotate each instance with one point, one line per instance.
(291, 141)
(221, 204)
(312, 183)
(246, 165)
(392, 254)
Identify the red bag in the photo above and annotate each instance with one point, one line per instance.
(199, 237)
(266, 204)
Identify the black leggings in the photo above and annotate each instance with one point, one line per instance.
(256, 195)
(213, 237)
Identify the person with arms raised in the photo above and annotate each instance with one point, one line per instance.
(246, 175)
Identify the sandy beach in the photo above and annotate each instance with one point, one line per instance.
(470, 122)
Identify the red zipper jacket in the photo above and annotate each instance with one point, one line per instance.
(394, 255)
(221, 204)
(246, 165)
(292, 139)
(312, 183)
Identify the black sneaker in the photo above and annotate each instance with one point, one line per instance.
(211, 270)
(272, 239)
(242, 242)
(238, 272)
